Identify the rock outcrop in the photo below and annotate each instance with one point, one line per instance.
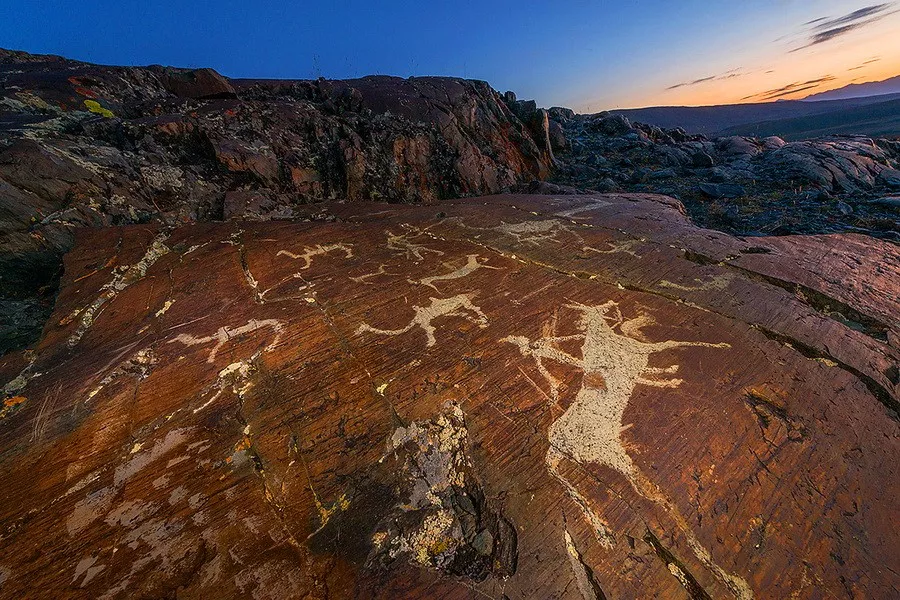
(739, 184)
(83, 145)
(516, 396)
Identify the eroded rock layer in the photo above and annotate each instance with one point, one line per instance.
(507, 397)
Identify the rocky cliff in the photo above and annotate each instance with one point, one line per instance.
(83, 145)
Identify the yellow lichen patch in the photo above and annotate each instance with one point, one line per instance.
(15, 400)
(241, 446)
(96, 108)
(325, 513)
(11, 404)
(70, 317)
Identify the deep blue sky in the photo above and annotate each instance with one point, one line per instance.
(587, 54)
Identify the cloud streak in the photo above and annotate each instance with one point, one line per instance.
(865, 64)
(825, 29)
(791, 88)
(726, 75)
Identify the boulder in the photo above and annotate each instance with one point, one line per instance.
(560, 114)
(722, 190)
(557, 136)
(702, 160)
(772, 142)
(892, 202)
(194, 83)
(889, 178)
(737, 146)
(610, 125)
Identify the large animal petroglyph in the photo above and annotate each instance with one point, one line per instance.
(589, 431)
(592, 205)
(318, 250)
(534, 233)
(472, 265)
(404, 244)
(617, 247)
(224, 334)
(423, 316)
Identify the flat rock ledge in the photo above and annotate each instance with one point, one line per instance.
(501, 397)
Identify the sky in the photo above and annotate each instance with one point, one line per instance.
(589, 55)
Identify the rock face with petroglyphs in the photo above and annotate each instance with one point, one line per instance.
(85, 145)
(509, 397)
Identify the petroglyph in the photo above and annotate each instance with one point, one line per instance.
(318, 250)
(364, 279)
(719, 282)
(123, 276)
(457, 306)
(613, 364)
(98, 503)
(471, 265)
(593, 205)
(261, 296)
(237, 376)
(534, 232)
(139, 365)
(411, 250)
(589, 431)
(224, 334)
(616, 247)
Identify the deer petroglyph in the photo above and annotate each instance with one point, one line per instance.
(403, 243)
(224, 334)
(423, 316)
(471, 265)
(317, 250)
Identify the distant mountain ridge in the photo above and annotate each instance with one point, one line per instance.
(790, 119)
(859, 90)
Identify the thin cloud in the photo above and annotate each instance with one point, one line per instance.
(791, 88)
(694, 82)
(865, 64)
(788, 93)
(726, 75)
(851, 18)
(825, 29)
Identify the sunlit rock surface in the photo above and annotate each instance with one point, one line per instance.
(503, 397)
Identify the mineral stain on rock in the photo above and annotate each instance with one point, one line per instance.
(444, 522)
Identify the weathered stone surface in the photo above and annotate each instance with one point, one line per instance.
(509, 397)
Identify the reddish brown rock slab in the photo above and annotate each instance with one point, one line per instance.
(504, 397)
